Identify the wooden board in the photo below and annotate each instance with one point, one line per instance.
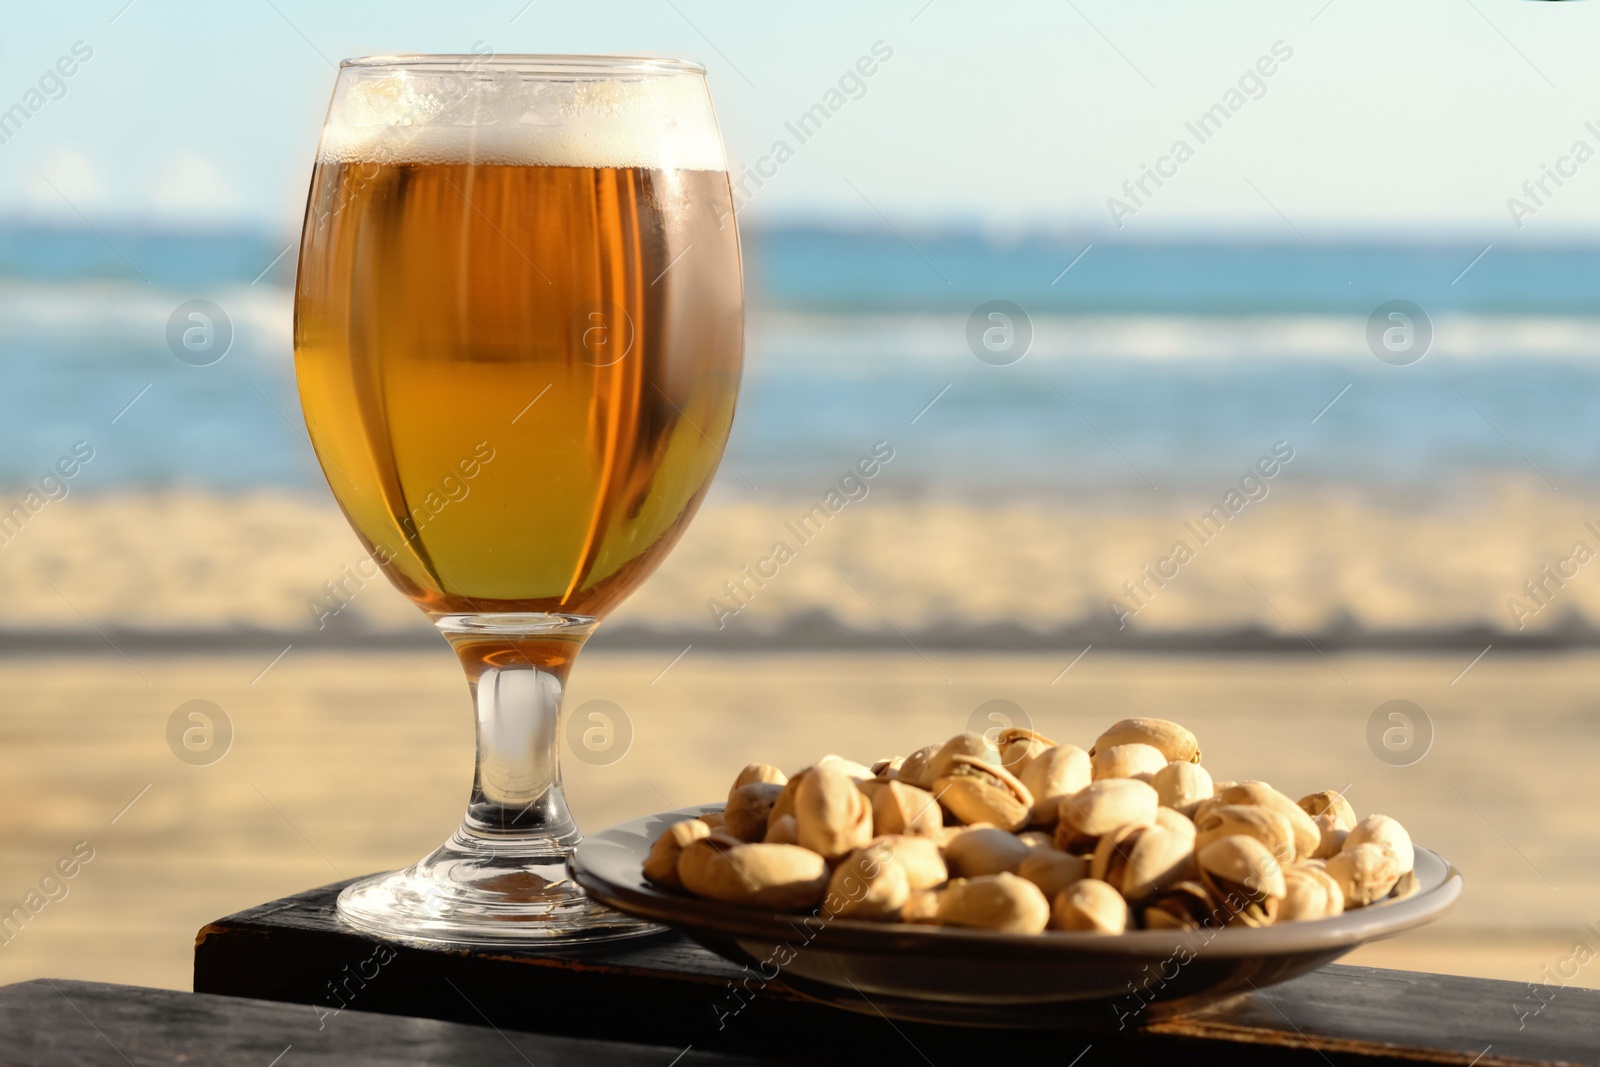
(668, 991)
(58, 1023)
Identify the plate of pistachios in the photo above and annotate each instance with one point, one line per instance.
(1006, 879)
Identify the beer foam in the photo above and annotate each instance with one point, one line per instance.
(660, 121)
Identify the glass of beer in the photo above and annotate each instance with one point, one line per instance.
(518, 337)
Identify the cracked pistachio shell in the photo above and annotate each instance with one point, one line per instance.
(1270, 827)
(1333, 836)
(888, 767)
(661, 865)
(1332, 803)
(1309, 893)
(918, 856)
(1306, 834)
(761, 875)
(1089, 906)
(712, 819)
(782, 831)
(1365, 873)
(1127, 761)
(1188, 905)
(917, 767)
(757, 772)
(1052, 775)
(1101, 807)
(1177, 823)
(1003, 903)
(1244, 877)
(898, 808)
(1182, 786)
(1387, 833)
(1138, 861)
(1053, 870)
(745, 817)
(1175, 742)
(784, 805)
(1037, 839)
(832, 817)
(984, 850)
(972, 745)
(869, 884)
(977, 791)
(1018, 746)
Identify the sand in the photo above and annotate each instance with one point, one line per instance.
(348, 763)
(1302, 559)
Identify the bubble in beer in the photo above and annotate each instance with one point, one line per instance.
(999, 333)
(199, 733)
(199, 333)
(599, 732)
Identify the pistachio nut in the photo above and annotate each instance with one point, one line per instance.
(1188, 905)
(1310, 892)
(745, 817)
(850, 767)
(1003, 903)
(712, 819)
(661, 865)
(1101, 807)
(974, 790)
(1137, 861)
(1182, 786)
(1244, 877)
(762, 875)
(1330, 802)
(1052, 870)
(1127, 761)
(1175, 742)
(1018, 746)
(921, 907)
(757, 772)
(1407, 886)
(984, 850)
(1306, 834)
(888, 767)
(974, 745)
(1333, 836)
(917, 767)
(1365, 873)
(918, 856)
(869, 884)
(782, 831)
(1177, 823)
(1387, 833)
(1037, 839)
(832, 817)
(1051, 775)
(898, 808)
(1267, 825)
(1089, 906)
(784, 805)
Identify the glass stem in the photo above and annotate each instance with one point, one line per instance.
(517, 667)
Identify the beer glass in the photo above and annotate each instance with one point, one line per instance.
(518, 338)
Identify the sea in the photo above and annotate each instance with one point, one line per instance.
(1074, 369)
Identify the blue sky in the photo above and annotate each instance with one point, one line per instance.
(1383, 117)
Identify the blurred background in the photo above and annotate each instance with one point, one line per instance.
(1087, 271)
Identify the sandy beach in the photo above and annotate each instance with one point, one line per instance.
(346, 763)
(1298, 560)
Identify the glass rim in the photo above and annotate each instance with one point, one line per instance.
(530, 63)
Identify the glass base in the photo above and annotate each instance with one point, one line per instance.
(476, 892)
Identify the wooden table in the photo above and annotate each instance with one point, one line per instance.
(668, 992)
(57, 1023)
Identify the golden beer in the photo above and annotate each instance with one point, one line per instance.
(519, 378)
